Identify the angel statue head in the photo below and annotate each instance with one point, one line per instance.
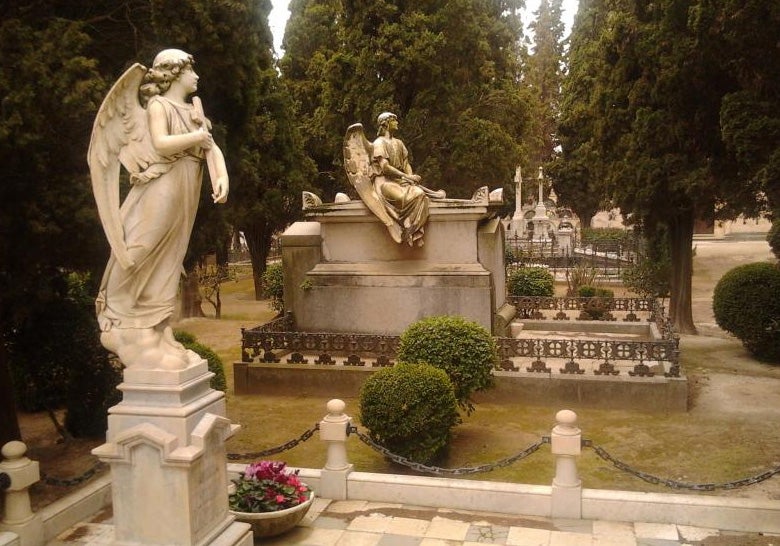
(166, 67)
(383, 122)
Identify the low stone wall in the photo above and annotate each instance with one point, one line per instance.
(651, 394)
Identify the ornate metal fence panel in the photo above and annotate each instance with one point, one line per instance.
(278, 342)
(571, 308)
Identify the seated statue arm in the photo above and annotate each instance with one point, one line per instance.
(388, 170)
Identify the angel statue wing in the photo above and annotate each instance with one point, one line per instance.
(357, 162)
(120, 134)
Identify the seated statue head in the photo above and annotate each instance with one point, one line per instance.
(383, 122)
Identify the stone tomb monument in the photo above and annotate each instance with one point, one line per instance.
(166, 438)
(401, 253)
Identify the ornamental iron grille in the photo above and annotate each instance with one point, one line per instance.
(277, 342)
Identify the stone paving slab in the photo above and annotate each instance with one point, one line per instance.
(360, 523)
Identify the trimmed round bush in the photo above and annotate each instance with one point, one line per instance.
(773, 237)
(589, 291)
(216, 366)
(409, 409)
(463, 349)
(597, 306)
(746, 303)
(273, 285)
(530, 281)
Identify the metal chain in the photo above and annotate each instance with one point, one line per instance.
(70, 482)
(274, 450)
(463, 471)
(419, 467)
(681, 485)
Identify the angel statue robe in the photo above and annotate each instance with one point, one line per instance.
(157, 216)
(406, 203)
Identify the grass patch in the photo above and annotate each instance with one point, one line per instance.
(700, 446)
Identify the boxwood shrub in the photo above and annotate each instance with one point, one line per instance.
(589, 291)
(463, 349)
(216, 366)
(273, 285)
(530, 281)
(746, 303)
(773, 236)
(597, 305)
(409, 409)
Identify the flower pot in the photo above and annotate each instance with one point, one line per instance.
(269, 524)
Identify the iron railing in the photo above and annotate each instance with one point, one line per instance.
(278, 340)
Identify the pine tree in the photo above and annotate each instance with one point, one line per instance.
(48, 226)
(576, 174)
(449, 69)
(656, 91)
(310, 44)
(545, 76)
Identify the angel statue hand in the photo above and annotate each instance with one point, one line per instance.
(206, 141)
(221, 187)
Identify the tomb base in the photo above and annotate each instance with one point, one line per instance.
(344, 273)
(166, 447)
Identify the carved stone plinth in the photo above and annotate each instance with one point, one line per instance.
(344, 273)
(166, 448)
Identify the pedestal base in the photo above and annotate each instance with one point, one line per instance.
(566, 501)
(344, 273)
(166, 448)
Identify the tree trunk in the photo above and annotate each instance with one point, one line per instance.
(258, 240)
(681, 241)
(190, 296)
(9, 423)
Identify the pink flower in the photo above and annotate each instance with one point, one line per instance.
(266, 486)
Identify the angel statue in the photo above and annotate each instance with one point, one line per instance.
(381, 174)
(146, 124)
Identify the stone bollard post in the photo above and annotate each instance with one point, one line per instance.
(333, 430)
(18, 516)
(566, 445)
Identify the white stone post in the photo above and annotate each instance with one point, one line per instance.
(566, 445)
(333, 430)
(18, 517)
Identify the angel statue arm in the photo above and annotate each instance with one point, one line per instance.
(169, 144)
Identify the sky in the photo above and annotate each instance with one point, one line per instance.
(278, 18)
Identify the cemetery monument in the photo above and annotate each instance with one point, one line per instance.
(166, 438)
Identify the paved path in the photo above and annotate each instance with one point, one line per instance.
(360, 523)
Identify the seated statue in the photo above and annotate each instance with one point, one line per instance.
(383, 177)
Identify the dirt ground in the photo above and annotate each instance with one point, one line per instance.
(726, 382)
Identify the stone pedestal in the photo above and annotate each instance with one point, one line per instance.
(166, 447)
(566, 446)
(565, 243)
(333, 431)
(18, 518)
(343, 272)
(542, 223)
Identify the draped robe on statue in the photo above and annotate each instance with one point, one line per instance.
(404, 202)
(157, 216)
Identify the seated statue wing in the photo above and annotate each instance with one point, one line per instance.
(120, 134)
(357, 162)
